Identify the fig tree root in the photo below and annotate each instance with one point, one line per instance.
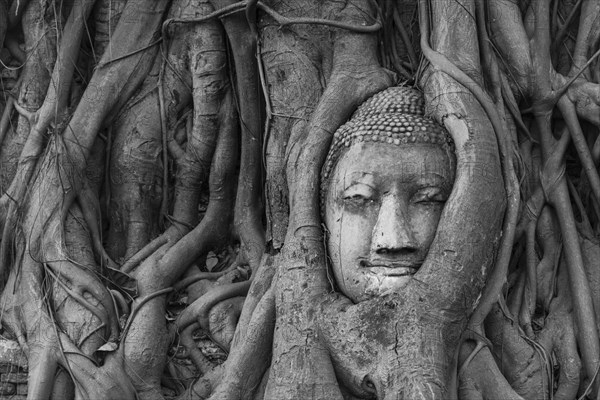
(133, 146)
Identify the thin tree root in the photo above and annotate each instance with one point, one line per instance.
(260, 284)
(530, 289)
(90, 208)
(83, 281)
(481, 379)
(558, 337)
(280, 19)
(139, 306)
(99, 312)
(567, 109)
(6, 114)
(582, 301)
(199, 310)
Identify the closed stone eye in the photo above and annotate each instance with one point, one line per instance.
(430, 195)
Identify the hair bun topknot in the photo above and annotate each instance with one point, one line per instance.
(394, 116)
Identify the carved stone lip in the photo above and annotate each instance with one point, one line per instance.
(390, 268)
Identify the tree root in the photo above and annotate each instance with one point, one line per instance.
(558, 337)
(548, 266)
(199, 310)
(56, 98)
(187, 281)
(226, 10)
(148, 250)
(587, 334)
(568, 111)
(353, 79)
(212, 97)
(50, 273)
(224, 319)
(47, 347)
(147, 334)
(260, 284)
(90, 207)
(496, 280)
(248, 206)
(480, 379)
(519, 362)
(3, 21)
(82, 282)
(6, 115)
(199, 360)
(248, 361)
(550, 174)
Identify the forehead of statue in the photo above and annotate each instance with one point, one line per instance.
(378, 164)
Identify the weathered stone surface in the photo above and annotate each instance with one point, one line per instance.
(11, 353)
(15, 377)
(22, 389)
(6, 388)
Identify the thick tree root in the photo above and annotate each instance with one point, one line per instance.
(148, 334)
(480, 379)
(248, 361)
(248, 208)
(65, 298)
(518, 361)
(353, 78)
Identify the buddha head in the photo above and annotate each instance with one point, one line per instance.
(384, 184)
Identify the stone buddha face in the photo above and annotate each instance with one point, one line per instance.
(382, 206)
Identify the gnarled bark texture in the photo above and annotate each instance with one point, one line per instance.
(159, 205)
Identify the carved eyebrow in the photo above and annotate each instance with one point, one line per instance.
(352, 184)
(362, 177)
(436, 180)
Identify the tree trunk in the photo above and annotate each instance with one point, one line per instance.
(162, 230)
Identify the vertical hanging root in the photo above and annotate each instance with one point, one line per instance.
(261, 282)
(558, 338)
(56, 98)
(558, 194)
(90, 208)
(211, 98)
(213, 230)
(162, 270)
(530, 292)
(248, 207)
(570, 115)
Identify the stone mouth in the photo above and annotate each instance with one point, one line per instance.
(391, 268)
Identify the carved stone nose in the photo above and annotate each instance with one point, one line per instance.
(392, 233)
